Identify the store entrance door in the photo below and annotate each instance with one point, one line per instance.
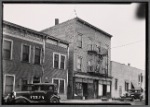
(95, 88)
(104, 90)
(85, 90)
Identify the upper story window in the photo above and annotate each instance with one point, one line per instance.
(79, 40)
(25, 53)
(62, 64)
(59, 61)
(79, 63)
(37, 58)
(7, 49)
(56, 60)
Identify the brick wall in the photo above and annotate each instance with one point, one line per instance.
(19, 68)
(49, 71)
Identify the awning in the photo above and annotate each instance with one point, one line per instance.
(135, 85)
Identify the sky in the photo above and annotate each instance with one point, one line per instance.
(119, 20)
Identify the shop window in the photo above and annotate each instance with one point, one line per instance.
(78, 89)
(60, 85)
(37, 58)
(7, 49)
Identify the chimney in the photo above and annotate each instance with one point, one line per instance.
(56, 21)
(128, 64)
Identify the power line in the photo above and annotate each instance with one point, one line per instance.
(131, 43)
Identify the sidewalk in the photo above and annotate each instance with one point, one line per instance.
(85, 101)
(99, 101)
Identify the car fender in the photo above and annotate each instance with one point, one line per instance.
(22, 97)
(54, 96)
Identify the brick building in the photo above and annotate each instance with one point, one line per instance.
(32, 57)
(126, 77)
(89, 58)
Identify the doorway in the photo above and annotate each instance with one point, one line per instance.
(85, 90)
(104, 90)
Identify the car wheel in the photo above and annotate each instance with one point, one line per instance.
(20, 101)
(54, 100)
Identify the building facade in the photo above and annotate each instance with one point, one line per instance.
(125, 78)
(89, 58)
(26, 59)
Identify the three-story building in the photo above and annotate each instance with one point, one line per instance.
(89, 58)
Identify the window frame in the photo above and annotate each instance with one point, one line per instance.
(59, 84)
(5, 75)
(22, 52)
(81, 35)
(116, 84)
(40, 55)
(79, 57)
(33, 79)
(11, 51)
(59, 60)
(54, 60)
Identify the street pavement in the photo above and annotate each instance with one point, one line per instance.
(99, 101)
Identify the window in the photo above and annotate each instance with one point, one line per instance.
(116, 84)
(25, 54)
(37, 56)
(62, 64)
(59, 61)
(24, 82)
(9, 83)
(126, 86)
(79, 63)
(56, 60)
(36, 79)
(60, 85)
(7, 49)
(79, 40)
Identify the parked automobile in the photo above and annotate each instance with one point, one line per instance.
(132, 95)
(34, 93)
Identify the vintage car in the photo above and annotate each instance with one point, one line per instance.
(34, 93)
(132, 95)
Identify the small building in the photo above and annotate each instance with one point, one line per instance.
(89, 58)
(30, 57)
(125, 78)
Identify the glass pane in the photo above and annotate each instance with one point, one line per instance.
(7, 45)
(62, 62)
(61, 88)
(26, 49)
(56, 82)
(56, 61)
(56, 57)
(6, 54)
(37, 51)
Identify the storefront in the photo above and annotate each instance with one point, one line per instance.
(87, 88)
(104, 88)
